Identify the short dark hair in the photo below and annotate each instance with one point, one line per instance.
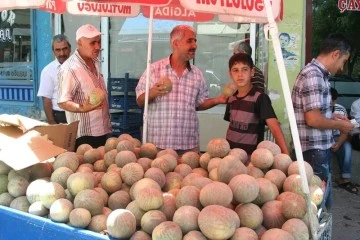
(244, 46)
(333, 42)
(334, 94)
(60, 38)
(241, 58)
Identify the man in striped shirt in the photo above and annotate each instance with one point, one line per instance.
(312, 106)
(78, 77)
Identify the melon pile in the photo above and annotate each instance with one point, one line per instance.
(132, 191)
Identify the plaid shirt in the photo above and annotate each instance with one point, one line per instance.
(76, 81)
(312, 91)
(172, 119)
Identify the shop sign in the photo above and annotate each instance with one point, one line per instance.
(7, 19)
(54, 6)
(245, 8)
(349, 5)
(175, 11)
(102, 9)
(16, 73)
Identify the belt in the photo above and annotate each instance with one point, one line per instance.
(56, 111)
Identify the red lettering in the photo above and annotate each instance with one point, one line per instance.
(342, 5)
(351, 5)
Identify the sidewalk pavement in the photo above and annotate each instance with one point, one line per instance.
(345, 214)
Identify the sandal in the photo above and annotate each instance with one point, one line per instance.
(350, 187)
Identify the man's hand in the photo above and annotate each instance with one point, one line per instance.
(346, 126)
(159, 89)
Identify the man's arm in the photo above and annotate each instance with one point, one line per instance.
(211, 102)
(71, 106)
(158, 90)
(276, 131)
(315, 119)
(48, 110)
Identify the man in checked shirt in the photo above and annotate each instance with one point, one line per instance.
(172, 119)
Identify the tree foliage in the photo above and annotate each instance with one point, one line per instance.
(327, 18)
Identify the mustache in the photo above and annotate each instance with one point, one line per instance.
(192, 49)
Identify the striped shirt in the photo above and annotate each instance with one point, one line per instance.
(76, 81)
(247, 116)
(341, 110)
(258, 79)
(312, 91)
(172, 119)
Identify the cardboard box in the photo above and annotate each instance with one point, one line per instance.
(25, 141)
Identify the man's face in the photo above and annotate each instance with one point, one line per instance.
(61, 51)
(339, 62)
(187, 45)
(90, 47)
(284, 41)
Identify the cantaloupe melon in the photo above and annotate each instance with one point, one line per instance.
(125, 136)
(151, 219)
(90, 200)
(187, 218)
(244, 233)
(297, 228)
(166, 81)
(213, 175)
(250, 215)
(167, 151)
(124, 157)
(167, 231)
(173, 180)
(218, 147)
(92, 155)
(50, 192)
(183, 169)
(111, 144)
(293, 184)
(169, 206)
(282, 162)
(262, 158)
(316, 195)
(240, 154)
(190, 158)
(218, 222)
(103, 193)
(204, 160)
(66, 159)
(272, 214)
(199, 182)
(188, 195)
(23, 173)
(131, 173)
(110, 156)
(111, 182)
(277, 177)
(267, 191)
(294, 169)
(20, 203)
(201, 171)
(229, 167)
(145, 163)
(273, 147)
(194, 235)
(125, 145)
(119, 199)
(79, 181)
(172, 160)
(223, 195)
(3, 183)
(5, 199)
(136, 211)
(97, 96)
(162, 164)
(140, 235)
(293, 206)
(97, 223)
(316, 181)
(34, 189)
(38, 209)
(276, 234)
(148, 150)
(4, 168)
(245, 188)
(61, 175)
(149, 198)
(141, 184)
(255, 172)
(82, 148)
(60, 210)
(157, 175)
(99, 166)
(213, 163)
(80, 217)
(228, 89)
(121, 223)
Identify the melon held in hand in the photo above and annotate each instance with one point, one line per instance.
(97, 96)
(167, 83)
(229, 89)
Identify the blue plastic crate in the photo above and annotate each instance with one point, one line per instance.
(122, 84)
(126, 119)
(123, 102)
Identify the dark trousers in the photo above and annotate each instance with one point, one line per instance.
(355, 141)
(59, 116)
(95, 142)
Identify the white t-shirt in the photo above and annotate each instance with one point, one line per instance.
(49, 83)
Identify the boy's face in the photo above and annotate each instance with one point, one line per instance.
(241, 74)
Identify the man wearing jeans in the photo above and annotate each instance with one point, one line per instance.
(312, 106)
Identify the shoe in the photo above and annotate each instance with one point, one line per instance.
(350, 187)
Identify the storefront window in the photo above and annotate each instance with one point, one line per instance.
(15, 45)
(129, 44)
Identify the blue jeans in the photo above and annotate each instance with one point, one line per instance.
(344, 159)
(320, 160)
